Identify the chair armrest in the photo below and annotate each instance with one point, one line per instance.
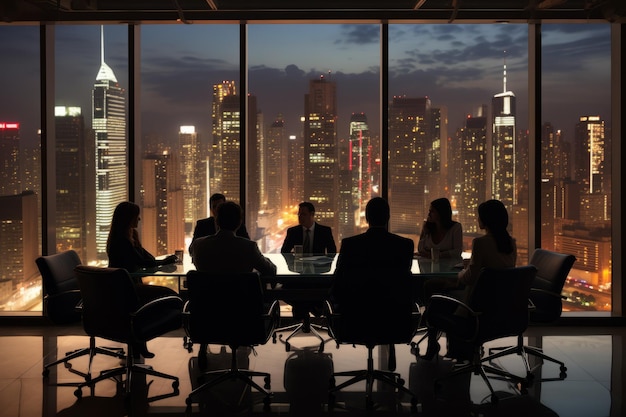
(546, 292)
(452, 316)
(157, 317)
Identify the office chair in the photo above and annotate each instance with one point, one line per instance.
(545, 304)
(113, 311)
(380, 312)
(62, 305)
(497, 307)
(228, 309)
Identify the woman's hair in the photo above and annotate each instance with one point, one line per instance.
(123, 217)
(495, 218)
(444, 209)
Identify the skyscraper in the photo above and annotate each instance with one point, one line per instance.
(9, 158)
(472, 172)
(163, 224)
(589, 153)
(502, 158)
(109, 125)
(276, 162)
(71, 231)
(193, 178)
(409, 140)
(360, 166)
(220, 91)
(321, 165)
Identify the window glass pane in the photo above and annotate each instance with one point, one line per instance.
(316, 91)
(190, 128)
(575, 157)
(20, 174)
(457, 124)
(91, 114)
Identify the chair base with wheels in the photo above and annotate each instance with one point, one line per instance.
(234, 373)
(526, 351)
(370, 375)
(305, 327)
(91, 351)
(129, 371)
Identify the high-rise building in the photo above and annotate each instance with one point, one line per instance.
(19, 246)
(10, 158)
(472, 172)
(193, 178)
(409, 141)
(276, 163)
(71, 231)
(321, 165)
(220, 91)
(163, 222)
(502, 157)
(109, 125)
(360, 164)
(589, 153)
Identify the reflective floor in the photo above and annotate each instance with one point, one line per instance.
(299, 379)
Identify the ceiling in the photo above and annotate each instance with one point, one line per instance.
(190, 11)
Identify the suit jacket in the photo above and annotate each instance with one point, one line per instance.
(207, 227)
(323, 241)
(225, 253)
(373, 265)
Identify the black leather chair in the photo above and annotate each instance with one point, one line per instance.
(112, 310)
(229, 309)
(497, 307)
(381, 312)
(62, 305)
(545, 303)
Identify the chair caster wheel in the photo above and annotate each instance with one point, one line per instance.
(563, 375)
(175, 384)
(67, 365)
(267, 400)
(563, 369)
(78, 393)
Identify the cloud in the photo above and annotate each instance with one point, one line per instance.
(359, 34)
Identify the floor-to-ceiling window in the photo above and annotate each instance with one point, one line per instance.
(20, 173)
(458, 110)
(314, 93)
(576, 157)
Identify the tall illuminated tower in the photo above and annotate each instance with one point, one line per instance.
(220, 92)
(409, 142)
(589, 153)
(503, 147)
(71, 177)
(109, 125)
(321, 165)
(9, 158)
(360, 164)
(472, 172)
(276, 158)
(193, 180)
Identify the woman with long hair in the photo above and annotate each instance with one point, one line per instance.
(123, 245)
(125, 251)
(496, 249)
(441, 232)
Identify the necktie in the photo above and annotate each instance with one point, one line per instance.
(307, 242)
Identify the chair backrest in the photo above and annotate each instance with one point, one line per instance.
(500, 296)
(552, 271)
(57, 271)
(108, 299)
(379, 309)
(226, 309)
(60, 286)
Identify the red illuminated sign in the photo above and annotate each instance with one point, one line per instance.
(5, 125)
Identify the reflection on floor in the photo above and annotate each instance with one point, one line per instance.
(300, 378)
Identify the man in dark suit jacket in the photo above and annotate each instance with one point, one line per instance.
(372, 263)
(206, 227)
(321, 239)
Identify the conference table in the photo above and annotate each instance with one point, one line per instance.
(300, 277)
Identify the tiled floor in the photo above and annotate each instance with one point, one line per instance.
(299, 379)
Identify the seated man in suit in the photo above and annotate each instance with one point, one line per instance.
(206, 227)
(375, 265)
(377, 251)
(226, 252)
(315, 239)
(320, 238)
